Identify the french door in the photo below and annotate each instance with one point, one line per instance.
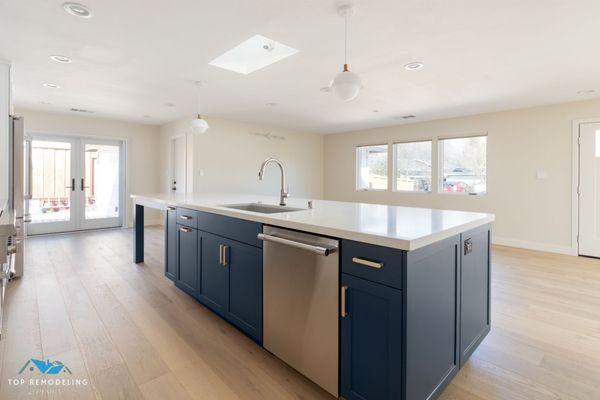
(76, 184)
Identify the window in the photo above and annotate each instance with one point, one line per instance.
(463, 165)
(371, 167)
(412, 166)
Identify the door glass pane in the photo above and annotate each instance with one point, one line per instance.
(50, 181)
(101, 181)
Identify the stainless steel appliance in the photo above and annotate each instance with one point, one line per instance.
(13, 216)
(300, 303)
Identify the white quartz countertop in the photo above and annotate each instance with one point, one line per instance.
(405, 228)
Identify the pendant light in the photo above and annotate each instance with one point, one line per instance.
(346, 85)
(198, 124)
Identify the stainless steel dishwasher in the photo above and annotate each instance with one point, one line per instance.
(300, 303)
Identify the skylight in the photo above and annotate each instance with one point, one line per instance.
(252, 55)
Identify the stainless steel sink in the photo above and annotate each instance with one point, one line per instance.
(262, 208)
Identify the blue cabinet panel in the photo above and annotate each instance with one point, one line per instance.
(233, 228)
(187, 217)
(371, 341)
(245, 288)
(431, 312)
(387, 267)
(188, 278)
(171, 244)
(214, 287)
(475, 290)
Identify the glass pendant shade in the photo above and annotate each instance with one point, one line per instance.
(198, 125)
(346, 85)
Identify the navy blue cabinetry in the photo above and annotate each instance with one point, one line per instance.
(219, 261)
(475, 290)
(171, 243)
(371, 340)
(188, 274)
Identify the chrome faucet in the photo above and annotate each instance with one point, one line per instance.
(285, 191)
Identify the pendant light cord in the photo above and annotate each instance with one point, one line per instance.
(345, 39)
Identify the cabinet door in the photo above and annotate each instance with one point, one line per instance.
(188, 278)
(371, 341)
(171, 244)
(475, 290)
(214, 287)
(245, 287)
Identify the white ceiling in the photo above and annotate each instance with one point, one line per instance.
(134, 56)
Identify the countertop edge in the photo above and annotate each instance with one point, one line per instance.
(370, 238)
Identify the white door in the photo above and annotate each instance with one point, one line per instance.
(76, 184)
(178, 165)
(589, 189)
(53, 185)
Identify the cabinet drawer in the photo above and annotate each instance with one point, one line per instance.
(187, 217)
(375, 263)
(232, 228)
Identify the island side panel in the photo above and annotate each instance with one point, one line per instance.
(475, 289)
(431, 304)
(138, 234)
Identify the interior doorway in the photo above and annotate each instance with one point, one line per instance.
(76, 183)
(177, 168)
(589, 189)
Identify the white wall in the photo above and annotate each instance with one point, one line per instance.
(529, 212)
(228, 156)
(142, 147)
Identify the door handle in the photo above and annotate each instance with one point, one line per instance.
(343, 312)
(83, 185)
(224, 254)
(72, 187)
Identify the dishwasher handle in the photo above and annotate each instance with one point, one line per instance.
(323, 251)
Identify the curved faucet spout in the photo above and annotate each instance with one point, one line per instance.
(284, 192)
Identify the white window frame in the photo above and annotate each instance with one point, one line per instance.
(394, 169)
(357, 172)
(440, 162)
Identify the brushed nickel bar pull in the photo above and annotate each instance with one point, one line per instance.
(185, 217)
(343, 311)
(367, 263)
(225, 255)
(221, 254)
(171, 208)
(186, 230)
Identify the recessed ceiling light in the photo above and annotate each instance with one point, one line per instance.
(252, 55)
(147, 116)
(46, 103)
(413, 66)
(271, 104)
(587, 91)
(169, 105)
(51, 85)
(60, 59)
(81, 110)
(78, 10)
(325, 89)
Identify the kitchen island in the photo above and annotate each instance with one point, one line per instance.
(412, 292)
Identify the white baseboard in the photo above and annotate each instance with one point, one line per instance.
(550, 248)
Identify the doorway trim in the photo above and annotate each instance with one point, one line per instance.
(125, 177)
(575, 181)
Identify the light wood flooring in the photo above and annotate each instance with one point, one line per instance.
(131, 334)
